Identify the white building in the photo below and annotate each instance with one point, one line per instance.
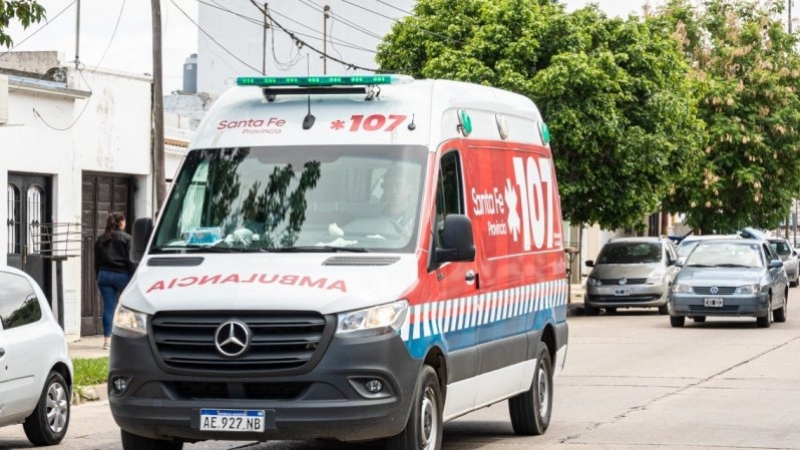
(74, 145)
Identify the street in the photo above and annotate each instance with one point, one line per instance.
(631, 382)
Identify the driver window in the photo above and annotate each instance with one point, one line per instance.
(449, 192)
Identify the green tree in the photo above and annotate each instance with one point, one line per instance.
(25, 12)
(614, 92)
(746, 71)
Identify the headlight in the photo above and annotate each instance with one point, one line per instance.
(656, 279)
(594, 282)
(372, 321)
(749, 289)
(129, 323)
(682, 289)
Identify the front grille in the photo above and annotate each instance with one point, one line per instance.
(280, 340)
(730, 309)
(627, 281)
(251, 391)
(625, 299)
(721, 290)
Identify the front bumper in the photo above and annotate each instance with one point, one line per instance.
(733, 305)
(328, 401)
(635, 295)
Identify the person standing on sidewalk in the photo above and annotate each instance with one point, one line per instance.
(112, 267)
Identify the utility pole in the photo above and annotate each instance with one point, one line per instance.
(158, 110)
(77, 35)
(790, 15)
(325, 14)
(264, 44)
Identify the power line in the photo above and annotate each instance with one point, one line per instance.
(395, 7)
(432, 33)
(116, 27)
(303, 43)
(39, 29)
(350, 24)
(341, 42)
(85, 105)
(212, 38)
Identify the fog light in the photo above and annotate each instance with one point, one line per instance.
(120, 384)
(373, 386)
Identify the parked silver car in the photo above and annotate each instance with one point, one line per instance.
(35, 368)
(631, 272)
(789, 257)
(730, 278)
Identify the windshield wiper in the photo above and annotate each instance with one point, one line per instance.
(317, 249)
(209, 249)
(734, 265)
(699, 265)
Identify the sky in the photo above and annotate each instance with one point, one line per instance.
(116, 34)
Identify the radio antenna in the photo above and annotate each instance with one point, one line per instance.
(308, 120)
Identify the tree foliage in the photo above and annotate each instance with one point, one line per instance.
(25, 12)
(747, 70)
(615, 93)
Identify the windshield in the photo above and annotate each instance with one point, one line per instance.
(310, 198)
(686, 247)
(630, 253)
(725, 254)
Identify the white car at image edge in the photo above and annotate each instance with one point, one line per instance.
(35, 368)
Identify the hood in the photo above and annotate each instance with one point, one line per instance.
(614, 271)
(719, 276)
(327, 283)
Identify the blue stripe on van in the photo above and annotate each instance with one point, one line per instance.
(455, 323)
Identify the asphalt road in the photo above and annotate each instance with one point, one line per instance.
(631, 382)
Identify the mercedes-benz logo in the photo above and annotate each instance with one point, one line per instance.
(232, 338)
(623, 281)
(714, 290)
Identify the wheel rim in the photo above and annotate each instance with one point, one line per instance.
(544, 391)
(57, 408)
(429, 424)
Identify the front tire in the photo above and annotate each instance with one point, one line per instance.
(48, 423)
(779, 315)
(132, 441)
(677, 321)
(424, 427)
(764, 322)
(530, 411)
(699, 319)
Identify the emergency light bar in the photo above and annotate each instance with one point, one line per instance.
(327, 80)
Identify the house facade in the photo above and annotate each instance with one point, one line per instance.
(74, 145)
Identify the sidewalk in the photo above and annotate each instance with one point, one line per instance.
(87, 347)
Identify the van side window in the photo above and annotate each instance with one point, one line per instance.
(18, 303)
(449, 192)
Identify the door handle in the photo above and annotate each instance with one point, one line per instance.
(471, 277)
(2, 352)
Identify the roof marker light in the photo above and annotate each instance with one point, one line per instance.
(326, 80)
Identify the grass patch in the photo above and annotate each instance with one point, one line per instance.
(90, 371)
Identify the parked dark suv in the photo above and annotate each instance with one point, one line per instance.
(631, 272)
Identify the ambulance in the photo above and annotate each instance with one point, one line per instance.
(353, 258)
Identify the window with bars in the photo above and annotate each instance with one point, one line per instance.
(13, 220)
(35, 216)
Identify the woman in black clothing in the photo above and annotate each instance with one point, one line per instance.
(113, 267)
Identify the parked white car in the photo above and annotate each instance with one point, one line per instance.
(35, 368)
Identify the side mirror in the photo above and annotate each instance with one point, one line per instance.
(671, 262)
(775, 264)
(680, 262)
(140, 235)
(589, 263)
(457, 241)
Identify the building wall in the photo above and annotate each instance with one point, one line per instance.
(245, 39)
(51, 134)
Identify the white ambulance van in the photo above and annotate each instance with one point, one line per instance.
(352, 258)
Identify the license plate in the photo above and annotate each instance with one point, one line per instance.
(622, 292)
(713, 302)
(232, 420)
